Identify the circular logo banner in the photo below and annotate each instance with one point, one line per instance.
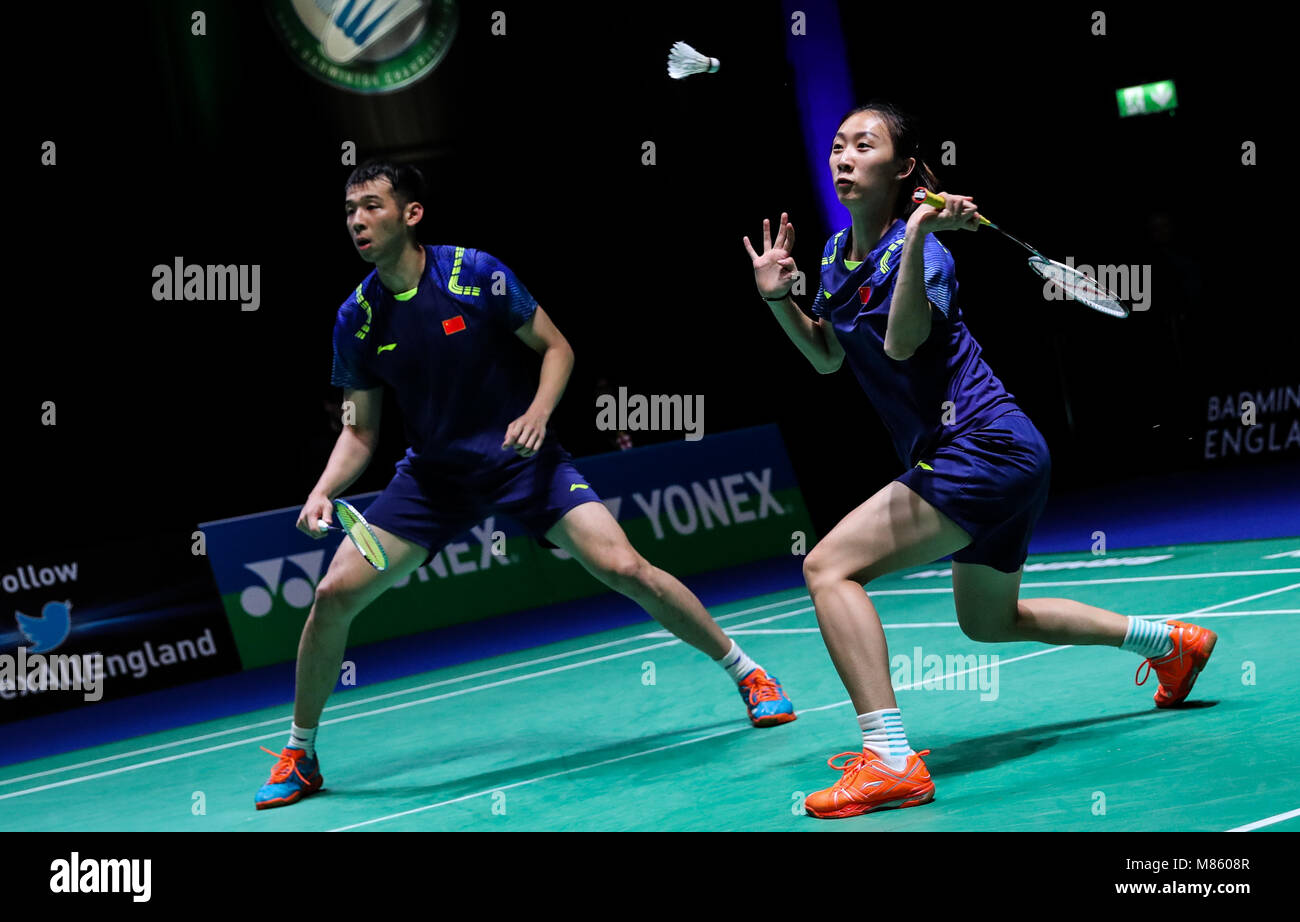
(366, 46)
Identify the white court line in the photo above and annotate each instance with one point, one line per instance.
(901, 624)
(824, 707)
(1250, 598)
(1207, 612)
(515, 679)
(391, 707)
(1267, 821)
(646, 752)
(395, 707)
(575, 652)
(406, 691)
(1099, 582)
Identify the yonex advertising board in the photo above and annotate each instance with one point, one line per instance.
(688, 507)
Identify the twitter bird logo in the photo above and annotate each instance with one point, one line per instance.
(50, 629)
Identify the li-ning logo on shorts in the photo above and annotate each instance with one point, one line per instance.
(365, 47)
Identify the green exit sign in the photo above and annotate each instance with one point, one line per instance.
(1147, 98)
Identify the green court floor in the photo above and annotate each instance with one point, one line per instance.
(632, 730)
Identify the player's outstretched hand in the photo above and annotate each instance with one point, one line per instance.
(526, 434)
(774, 268)
(316, 508)
(958, 213)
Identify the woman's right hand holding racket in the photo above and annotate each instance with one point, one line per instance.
(317, 507)
(774, 269)
(958, 212)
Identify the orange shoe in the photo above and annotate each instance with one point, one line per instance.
(765, 699)
(1178, 669)
(294, 777)
(868, 785)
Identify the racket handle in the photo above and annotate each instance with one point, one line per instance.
(923, 196)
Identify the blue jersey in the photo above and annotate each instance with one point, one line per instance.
(449, 352)
(945, 389)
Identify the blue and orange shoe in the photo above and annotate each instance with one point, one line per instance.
(765, 699)
(868, 785)
(293, 778)
(1177, 670)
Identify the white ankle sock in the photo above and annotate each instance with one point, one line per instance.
(1148, 638)
(737, 664)
(303, 739)
(883, 734)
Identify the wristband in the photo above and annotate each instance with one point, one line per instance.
(782, 298)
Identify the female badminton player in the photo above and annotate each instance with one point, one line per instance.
(976, 469)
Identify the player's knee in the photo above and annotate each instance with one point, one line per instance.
(1001, 629)
(334, 602)
(623, 570)
(819, 570)
(812, 568)
(980, 632)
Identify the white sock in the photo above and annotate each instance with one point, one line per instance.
(883, 734)
(737, 664)
(1148, 638)
(303, 739)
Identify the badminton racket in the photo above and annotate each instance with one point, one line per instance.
(1077, 285)
(354, 525)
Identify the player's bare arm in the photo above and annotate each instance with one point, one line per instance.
(352, 452)
(527, 433)
(774, 271)
(910, 312)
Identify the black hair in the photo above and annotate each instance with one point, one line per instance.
(407, 181)
(905, 138)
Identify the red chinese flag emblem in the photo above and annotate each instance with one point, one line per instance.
(454, 325)
(864, 294)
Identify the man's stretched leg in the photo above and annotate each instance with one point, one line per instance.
(349, 586)
(590, 534)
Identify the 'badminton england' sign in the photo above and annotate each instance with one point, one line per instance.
(688, 507)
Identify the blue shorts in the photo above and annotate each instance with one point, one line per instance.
(430, 510)
(993, 483)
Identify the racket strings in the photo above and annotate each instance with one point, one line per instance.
(362, 536)
(1079, 286)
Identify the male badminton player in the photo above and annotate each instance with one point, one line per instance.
(457, 336)
(977, 469)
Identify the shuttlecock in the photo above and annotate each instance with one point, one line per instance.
(683, 60)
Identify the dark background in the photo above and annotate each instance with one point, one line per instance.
(220, 150)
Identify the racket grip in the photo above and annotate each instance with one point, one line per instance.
(923, 196)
